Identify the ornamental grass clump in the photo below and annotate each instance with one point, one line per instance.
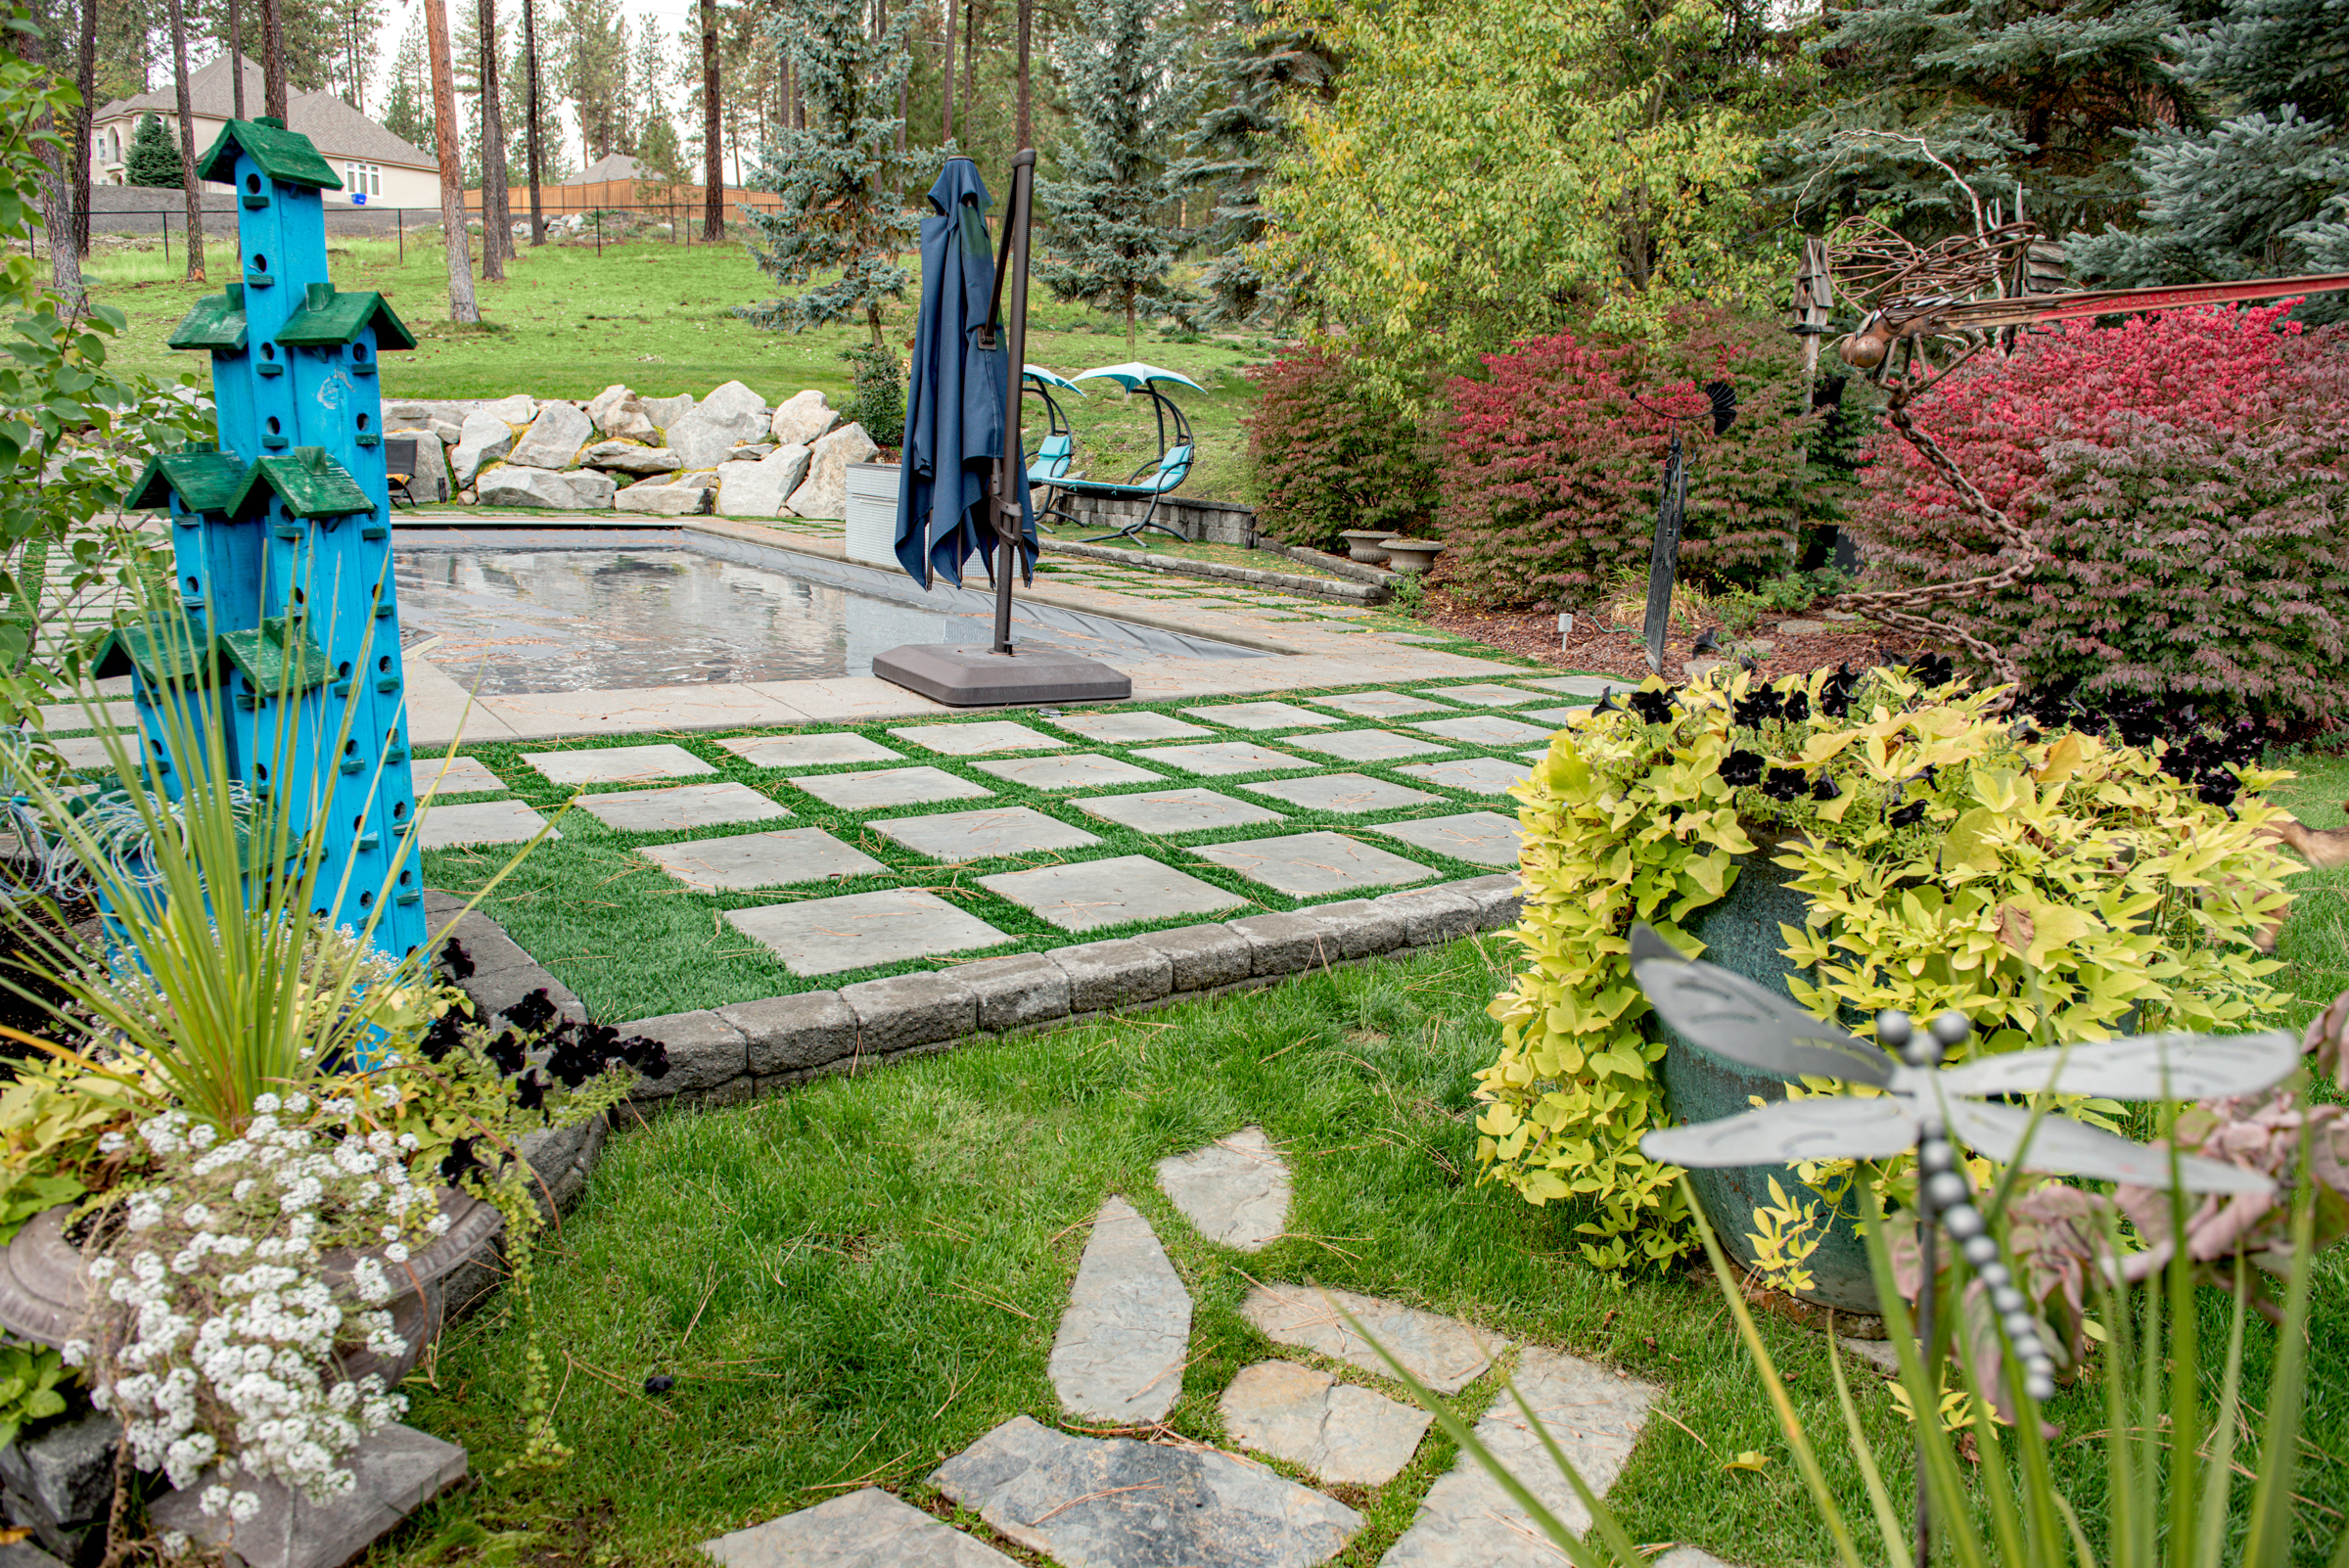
(2052, 884)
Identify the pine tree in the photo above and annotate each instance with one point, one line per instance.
(151, 160)
(1113, 249)
(841, 176)
(2265, 190)
(595, 72)
(408, 111)
(1243, 127)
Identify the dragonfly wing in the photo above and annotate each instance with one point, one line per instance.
(1731, 1014)
(2140, 1067)
(2061, 1146)
(1831, 1127)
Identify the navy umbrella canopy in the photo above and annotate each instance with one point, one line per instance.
(954, 426)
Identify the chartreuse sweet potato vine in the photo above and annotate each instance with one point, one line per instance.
(2048, 884)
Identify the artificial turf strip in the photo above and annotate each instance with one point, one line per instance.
(636, 944)
(858, 1278)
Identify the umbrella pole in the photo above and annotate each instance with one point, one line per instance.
(1011, 462)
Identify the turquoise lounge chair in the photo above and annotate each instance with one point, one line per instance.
(1153, 479)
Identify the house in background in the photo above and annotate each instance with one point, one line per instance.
(374, 164)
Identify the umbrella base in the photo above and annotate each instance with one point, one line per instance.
(981, 677)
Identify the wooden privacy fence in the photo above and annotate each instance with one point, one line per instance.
(644, 196)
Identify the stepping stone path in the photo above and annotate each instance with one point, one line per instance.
(825, 935)
(1127, 729)
(466, 775)
(1479, 775)
(1381, 705)
(868, 1529)
(1340, 1432)
(1583, 685)
(956, 837)
(1235, 1191)
(1349, 793)
(1482, 729)
(617, 765)
(976, 740)
(778, 859)
(1227, 756)
(438, 827)
(889, 786)
(1094, 894)
(1368, 746)
(1444, 1353)
(1081, 770)
(1306, 865)
(1120, 1351)
(808, 751)
(1177, 811)
(1260, 716)
(1484, 837)
(1487, 696)
(1560, 717)
(682, 805)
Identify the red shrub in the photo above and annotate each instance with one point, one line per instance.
(1331, 455)
(2190, 474)
(1550, 470)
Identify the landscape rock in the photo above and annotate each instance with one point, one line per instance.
(826, 493)
(757, 490)
(1096, 1503)
(554, 438)
(399, 1469)
(519, 409)
(667, 411)
(1338, 1431)
(866, 1529)
(751, 453)
(1235, 1191)
(484, 439)
(451, 430)
(727, 418)
(664, 500)
(1120, 1351)
(511, 484)
(626, 457)
(1444, 1353)
(604, 404)
(590, 492)
(799, 420)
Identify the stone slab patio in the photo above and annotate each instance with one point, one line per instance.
(1340, 1432)
(777, 860)
(808, 751)
(441, 827)
(1306, 866)
(1234, 1192)
(1078, 770)
(1444, 1353)
(1349, 793)
(1216, 759)
(1486, 837)
(1118, 1355)
(865, 1529)
(1173, 811)
(1090, 894)
(977, 740)
(889, 786)
(956, 837)
(859, 930)
(681, 807)
(617, 765)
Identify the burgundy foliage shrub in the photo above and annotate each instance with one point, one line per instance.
(1552, 471)
(1332, 454)
(2190, 475)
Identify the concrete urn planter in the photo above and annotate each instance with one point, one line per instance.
(1366, 545)
(1412, 554)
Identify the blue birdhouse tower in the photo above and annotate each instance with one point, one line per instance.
(282, 541)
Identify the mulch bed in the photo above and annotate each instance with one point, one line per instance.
(1534, 636)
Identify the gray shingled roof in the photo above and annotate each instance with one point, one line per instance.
(611, 167)
(338, 130)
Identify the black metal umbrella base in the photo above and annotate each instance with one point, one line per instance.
(981, 677)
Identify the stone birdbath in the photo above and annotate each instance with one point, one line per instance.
(1366, 545)
(1412, 554)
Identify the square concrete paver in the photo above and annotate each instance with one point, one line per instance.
(1485, 695)
(808, 751)
(889, 786)
(1094, 894)
(1226, 756)
(477, 822)
(1260, 716)
(1349, 793)
(1366, 746)
(1560, 717)
(1079, 770)
(1479, 775)
(466, 775)
(1381, 705)
(1128, 729)
(1484, 729)
(617, 765)
(976, 740)
(953, 836)
(1306, 864)
(1170, 811)
(777, 860)
(1484, 837)
(857, 930)
(682, 805)
(1584, 685)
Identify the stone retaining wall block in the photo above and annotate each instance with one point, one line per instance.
(1360, 928)
(788, 1033)
(61, 1483)
(1013, 992)
(704, 1051)
(1204, 956)
(1283, 943)
(909, 1010)
(1107, 975)
(1500, 897)
(1433, 916)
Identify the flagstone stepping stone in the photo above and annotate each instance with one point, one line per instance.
(955, 837)
(1127, 729)
(1595, 1418)
(808, 751)
(1092, 894)
(857, 930)
(1444, 1353)
(1112, 1503)
(975, 740)
(1168, 811)
(1079, 770)
(1224, 757)
(1304, 864)
(438, 827)
(1584, 685)
(1483, 694)
(776, 859)
(1120, 1351)
(1349, 793)
(1479, 775)
(682, 805)
(1344, 612)
(1235, 1191)
(1381, 705)
(888, 786)
(1340, 1432)
(1561, 716)
(617, 765)
(866, 1529)
(466, 775)
(1368, 746)
(1484, 837)
(1484, 729)
(1260, 716)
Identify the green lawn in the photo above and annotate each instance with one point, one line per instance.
(2315, 944)
(568, 323)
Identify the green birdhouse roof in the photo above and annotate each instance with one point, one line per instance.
(283, 155)
(204, 482)
(172, 651)
(310, 483)
(275, 659)
(216, 322)
(331, 320)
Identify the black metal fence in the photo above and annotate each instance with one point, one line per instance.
(679, 224)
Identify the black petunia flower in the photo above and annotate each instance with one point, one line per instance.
(505, 1052)
(645, 1054)
(1756, 706)
(1835, 692)
(1932, 671)
(1655, 707)
(1784, 784)
(446, 1034)
(1797, 706)
(456, 960)
(461, 1158)
(1740, 768)
(529, 1091)
(1826, 789)
(533, 1012)
(1907, 816)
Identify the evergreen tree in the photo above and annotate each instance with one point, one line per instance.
(408, 111)
(153, 159)
(2263, 192)
(841, 176)
(1244, 126)
(1112, 246)
(658, 151)
(594, 74)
